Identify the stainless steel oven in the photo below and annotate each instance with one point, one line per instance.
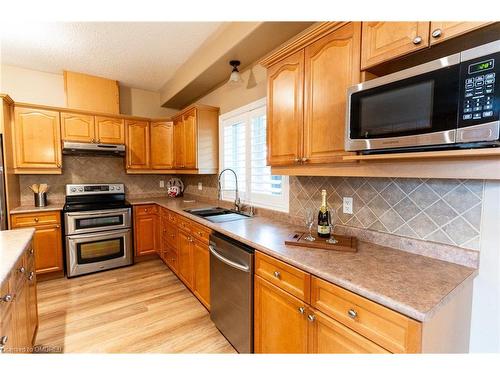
(451, 102)
(98, 234)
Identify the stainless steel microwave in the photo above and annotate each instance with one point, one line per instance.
(451, 102)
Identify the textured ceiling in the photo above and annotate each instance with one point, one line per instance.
(137, 54)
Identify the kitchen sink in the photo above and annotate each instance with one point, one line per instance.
(217, 214)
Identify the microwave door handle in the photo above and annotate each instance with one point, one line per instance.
(230, 263)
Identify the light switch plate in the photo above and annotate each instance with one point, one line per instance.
(200, 186)
(162, 183)
(347, 205)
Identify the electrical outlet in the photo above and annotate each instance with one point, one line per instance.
(200, 186)
(347, 205)
(162, 183)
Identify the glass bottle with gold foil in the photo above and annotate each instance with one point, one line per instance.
(324, 220)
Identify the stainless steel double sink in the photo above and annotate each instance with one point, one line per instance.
(217, 214)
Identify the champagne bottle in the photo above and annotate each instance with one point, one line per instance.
(324, 218)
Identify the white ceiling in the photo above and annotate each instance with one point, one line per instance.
(138, 54)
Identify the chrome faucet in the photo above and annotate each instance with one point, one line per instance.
(237, 201)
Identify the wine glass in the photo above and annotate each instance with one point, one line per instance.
(332, 240)
(309, 219)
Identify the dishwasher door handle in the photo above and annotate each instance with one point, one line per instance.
(230, 263)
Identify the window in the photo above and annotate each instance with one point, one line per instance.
(243, 149)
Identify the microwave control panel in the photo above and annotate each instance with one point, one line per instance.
(480, 90)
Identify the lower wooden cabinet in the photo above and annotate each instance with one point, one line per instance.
(201, 272)
(146, 230)
(280, 321)
(18, 306)
(185, 258)
(47, 242)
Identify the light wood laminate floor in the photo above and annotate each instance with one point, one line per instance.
(139, 309)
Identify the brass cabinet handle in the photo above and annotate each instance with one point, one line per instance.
(277, 274)
(7, 298)
(437, 33)
(352, 313)
(311, 317)
(22, 270)
(30, 277)
(36, 220)
(302, 310)
(417, 40)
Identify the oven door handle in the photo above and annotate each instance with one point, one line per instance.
(230, 263)
(98, 234)
(96, 213)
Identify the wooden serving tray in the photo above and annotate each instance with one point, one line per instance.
(346, 243)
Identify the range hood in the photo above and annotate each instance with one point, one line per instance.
(97, 149)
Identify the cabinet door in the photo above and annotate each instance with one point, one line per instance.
(162, 145)
(77, 127)
(20, 317)
(190, 139)
(32, 304)
(328, 336)
(281, 325)
(384, 41)
(185, 258)
(201, 261)
(285, 87)
(110, 130)
(48, 249)
(7, 331)
(441, 31)
(37, 139)
(138, 146)
(325, 92)
(145, 233)
(179, 144)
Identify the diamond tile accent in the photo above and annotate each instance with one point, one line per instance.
(461, 199)
(473, 216)
(392, 194)
(407, 209)
(391, 220)
(422, 225)
(440, 212)
(423, 196)
(460, 231)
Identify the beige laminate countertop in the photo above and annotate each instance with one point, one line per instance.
(414, 285)
(32, 209)
(12, 245)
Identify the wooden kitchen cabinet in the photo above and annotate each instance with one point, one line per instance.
(280, 321)
(146, 230)
(179, 143)
(138, 146)
(285, 90)
(110, 130)
(331, 67)
(384, 41)
(47, 241)
(329, 336)
(441, 31)
(37, 141)
(201, 272)
(77, 127)
(185, 258)
(162, 145)
(190, 136)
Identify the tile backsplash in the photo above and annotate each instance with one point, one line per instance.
(444, 211)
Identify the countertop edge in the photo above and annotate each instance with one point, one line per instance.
(25, 209)
(20, 251)
(384, 301)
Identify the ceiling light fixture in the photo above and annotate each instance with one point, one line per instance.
(235, 76)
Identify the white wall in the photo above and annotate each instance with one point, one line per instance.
(32, 86)
(485, 327)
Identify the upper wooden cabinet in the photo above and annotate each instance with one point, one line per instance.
(285, 90)
(325, 93)
(138, 147)
(37, 141)
(383, 41)
(110, 130)
(196, 139)
(162, 145)
(307, 98)
(77, 127)
(441, 31)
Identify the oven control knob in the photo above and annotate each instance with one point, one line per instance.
(73, 190)
(112, 188)
(80, 189)
(118, 188)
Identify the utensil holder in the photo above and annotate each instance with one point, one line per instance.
(40, 199)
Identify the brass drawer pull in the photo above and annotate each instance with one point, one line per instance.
(352, 314)
(277, 274)
(36, 220)
(311, 317)
(302, 310)
(7, 298)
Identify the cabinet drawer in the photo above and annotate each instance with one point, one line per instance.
(288, 278)
(171, 235)
(171, 259)
(184, 224)
(146, 209)
(35, 219)
(389, 329)
(18, 274)
(200, 232)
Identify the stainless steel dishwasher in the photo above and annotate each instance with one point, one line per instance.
(231, 290)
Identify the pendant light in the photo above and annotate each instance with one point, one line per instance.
(235, 77)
